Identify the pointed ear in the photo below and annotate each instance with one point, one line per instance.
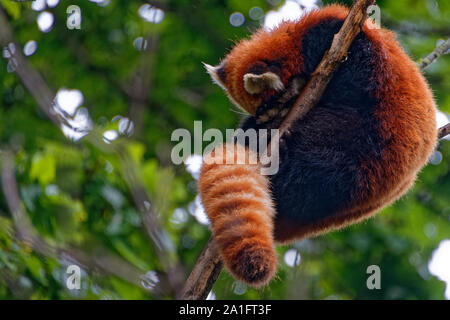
(214, 73)
(257, 83)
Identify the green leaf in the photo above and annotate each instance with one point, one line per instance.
(12, 7)
(43, 168)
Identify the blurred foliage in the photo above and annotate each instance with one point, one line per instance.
(75, 194)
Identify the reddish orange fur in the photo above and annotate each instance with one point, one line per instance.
(274, 45)
(237, 200)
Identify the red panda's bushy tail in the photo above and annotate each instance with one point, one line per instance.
(237, 200)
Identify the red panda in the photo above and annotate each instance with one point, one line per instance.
(358, 150)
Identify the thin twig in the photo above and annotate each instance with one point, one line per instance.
(444, 131)
(439, 51)
(30, 78)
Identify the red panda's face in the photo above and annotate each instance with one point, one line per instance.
(249, 90)
(270, 62)
(259, 68)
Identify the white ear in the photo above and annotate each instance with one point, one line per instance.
(212, 71)
(257, 83)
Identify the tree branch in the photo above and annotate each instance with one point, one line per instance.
(439, 51)
(204, 275)
(444, 131)
(337, 53)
